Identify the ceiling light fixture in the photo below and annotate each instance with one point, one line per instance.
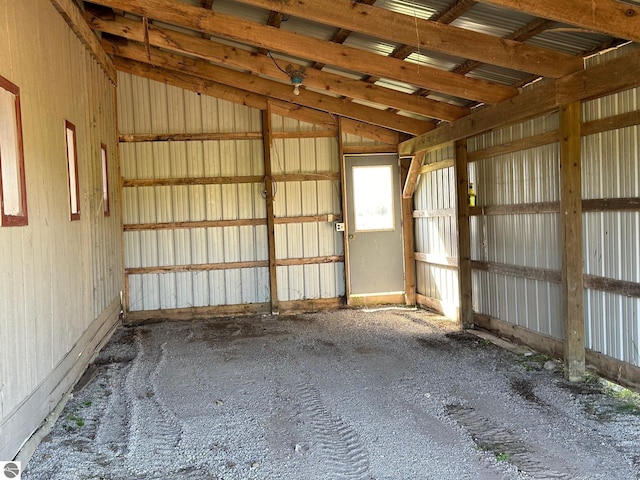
(296, 75)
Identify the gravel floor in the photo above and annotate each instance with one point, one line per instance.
(391, 394)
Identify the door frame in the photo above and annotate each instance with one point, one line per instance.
(373, 299)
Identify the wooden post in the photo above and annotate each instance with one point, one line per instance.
(345, 217)
(465, 315)
(571, 241)
(408, 167)
(268, 186)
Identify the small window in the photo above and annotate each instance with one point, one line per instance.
(72, 164)
(13, 193)
(373, 198)
(105, 180)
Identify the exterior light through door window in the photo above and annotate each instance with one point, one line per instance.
(105, 180)
(373, 198)
(72, 164)
(13, 194)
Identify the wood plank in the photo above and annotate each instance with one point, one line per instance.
(517, 209)
(609, 77)
(437, 305)
(288, 262)
(311, 305)
(138, 227)
(269, 199)
(75, 19)
(614, 122)
(442, 164)
(618, 19)
(297, 45)
(571, 241)
(530, 273)
(515, 146)
(307, 177)
(411, 177)
(611, 205)
(429, 35)
(345, 207)
(187, 137)
(199, 267)
(376, 299)
(331, 217)
(327, 133)
(465, 285)
(374, 132)
(246, 60)
(357, 149)
(610, 285)
(409, 167)
(165, 182)
(436, 260)
(193, 313)
(269, 88)
(435, 213)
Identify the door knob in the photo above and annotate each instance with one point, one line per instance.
(351, 236)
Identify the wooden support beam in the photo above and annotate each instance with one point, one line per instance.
(268, 186)
(442, 164)
(297, 45)
(428, 35)
(618, 19)
(343, 207)
(571, 241)
(187, 137)
(410, 178)
(610, 77)
(268, 88)
(408, 168)
(464, 236)
(75, 19)
(220, 53)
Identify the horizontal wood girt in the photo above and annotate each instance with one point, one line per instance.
(183, 43)
(301, 46)
(269, 88)
(429, 35)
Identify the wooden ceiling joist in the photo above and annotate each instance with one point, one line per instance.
(224, 54)
(617, 18)
(269, 88)
(242, 97)
(302, 46)
(429, 35)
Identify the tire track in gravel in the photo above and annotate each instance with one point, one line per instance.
(154, 430)
(342, 453)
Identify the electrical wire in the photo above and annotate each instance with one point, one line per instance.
(276, 64)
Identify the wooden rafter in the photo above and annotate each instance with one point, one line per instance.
(302, 46)
(618, 19)
(225, 54)
(428, 35)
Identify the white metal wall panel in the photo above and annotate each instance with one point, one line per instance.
(611, 169)
(437, 235)
(150, 107)
(308, 198)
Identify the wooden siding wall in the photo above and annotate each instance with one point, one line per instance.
(195, 213)
(60, 281)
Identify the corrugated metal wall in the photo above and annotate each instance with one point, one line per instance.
(527, 240)
(611, 169)
(146, 106)
(435, 232)
(307, 198)
(60, 280)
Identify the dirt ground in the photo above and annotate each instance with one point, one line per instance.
(352, 394)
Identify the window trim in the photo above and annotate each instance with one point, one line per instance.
(74, 210)
(104, 163)
(8, 220)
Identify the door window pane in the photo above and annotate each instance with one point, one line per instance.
(373, 198)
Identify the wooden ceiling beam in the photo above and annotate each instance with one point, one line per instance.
(268, 88)
(613, 17)
(244, 59)
(74, 18)
(607, 78)
(429, 35)
(242, 97)
(297, 45)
